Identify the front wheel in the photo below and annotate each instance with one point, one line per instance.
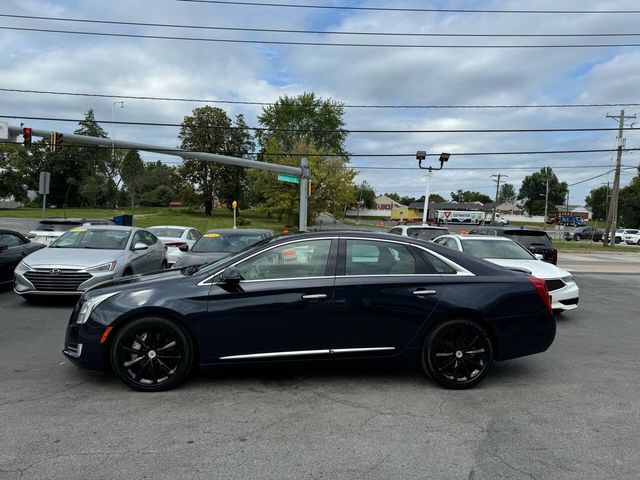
(151, 354)
(577, 238)
(457, 354)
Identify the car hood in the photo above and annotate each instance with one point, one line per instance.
(198, 258)
(72, 257)
(143, 280)
(538, 268)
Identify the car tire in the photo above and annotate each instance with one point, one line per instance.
(127, 272)
(577, 237)
(457, 354)
(151, 354)
(164, 265)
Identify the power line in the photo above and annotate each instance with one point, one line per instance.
(320, 32)
(368, 131)
(171, 151)
(411, 9)
(241, 102)
(316, 44)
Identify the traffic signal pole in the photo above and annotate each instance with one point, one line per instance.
(301, 172)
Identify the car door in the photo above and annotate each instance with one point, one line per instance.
(140, 259)
(156, 253)
(384, 292)
(12, 252)
(281, 308)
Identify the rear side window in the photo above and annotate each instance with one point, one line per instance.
(426, 233)
(370, 257)
(529, 238)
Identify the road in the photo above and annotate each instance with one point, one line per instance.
(569, 413)
(22, 225)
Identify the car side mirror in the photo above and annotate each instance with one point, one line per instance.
(140, 246)
(539, 256)
(231, 275)
(3, 247)
(184, 247)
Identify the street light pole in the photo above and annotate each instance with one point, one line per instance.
(427, 193)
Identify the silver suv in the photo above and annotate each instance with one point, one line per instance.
(423, 232)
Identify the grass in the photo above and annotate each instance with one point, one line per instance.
(150, 216)
(588, 246)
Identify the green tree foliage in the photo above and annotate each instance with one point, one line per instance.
(629, 206)
(209, 129)
(332, 188)
(468, 196)
(598, 201)
(16, 175)
(366, 194)
(393, 196)
(316, 121)
(433, 198)
(132, 173)
(507, 193)
(533, 190)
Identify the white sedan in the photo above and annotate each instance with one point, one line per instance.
(176, 239)
(507, 253)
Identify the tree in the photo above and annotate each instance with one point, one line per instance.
(468, 196)
(507, 193)
(393, 196)
(433, 198)
(316, 121)
(629, 206)
(533, 190)
(209, 129)
(332, 188)
(15, 172)
(366, 194)
(132, 172)
(598, 201)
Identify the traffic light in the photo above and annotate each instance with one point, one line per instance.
(56, 142)
(26, 136)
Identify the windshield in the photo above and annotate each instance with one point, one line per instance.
(529, 238)
(56, 226)
(167, 232)
(426, 233)
(96, 239)
(495, 249)
(225, 242)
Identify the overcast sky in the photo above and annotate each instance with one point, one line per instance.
(353, 75)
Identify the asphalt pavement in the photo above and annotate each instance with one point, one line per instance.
(569, 413)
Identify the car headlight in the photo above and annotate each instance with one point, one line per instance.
(106, 267)
(90, 305)
(22, 267)
(568, 279)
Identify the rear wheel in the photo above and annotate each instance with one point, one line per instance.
(577, 237)
(127, 272)
(164, 265)
(457, 354)
(151, 354)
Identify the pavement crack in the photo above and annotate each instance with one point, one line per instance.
(43, 397)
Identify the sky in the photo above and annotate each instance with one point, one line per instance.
(437, 75)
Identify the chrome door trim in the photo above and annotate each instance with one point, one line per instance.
(424, 292)
(358, 350)
(277, 354)
(314, 296)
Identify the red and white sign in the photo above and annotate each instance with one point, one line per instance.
(447, 215)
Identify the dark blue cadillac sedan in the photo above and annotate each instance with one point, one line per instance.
(315, 296)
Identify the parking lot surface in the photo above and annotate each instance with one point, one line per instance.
(569, 413)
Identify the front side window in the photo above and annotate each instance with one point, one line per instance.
(370, 257)
(397, 231)
(293, 260)
(10, 240)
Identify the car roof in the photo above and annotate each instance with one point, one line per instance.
(4, 231)
(170, 226)
(480, 237)
(426, 227)
(72, 220)
(510, 229)
(111, 227)
(238, 230)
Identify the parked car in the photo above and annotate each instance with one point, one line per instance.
(585, 233)
(219, 243)
(323, 296)
(507, 253)
(176, 239)
(621, 232)
(86, 256)
(536, 241)
(13, 248)
(632, 238)
(571, 221)
(423, 232)
(51, 228)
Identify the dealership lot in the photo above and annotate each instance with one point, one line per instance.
(571, 412)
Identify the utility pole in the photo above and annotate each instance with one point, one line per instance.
(546, 202)
(495, 207)
(612, 215)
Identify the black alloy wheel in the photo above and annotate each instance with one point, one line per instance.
(152, 354)
(457, 354)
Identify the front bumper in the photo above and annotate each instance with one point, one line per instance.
(565, 298)
(40, 281)
(82, 343)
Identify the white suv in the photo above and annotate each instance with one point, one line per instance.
(423, 232)
(632, 238)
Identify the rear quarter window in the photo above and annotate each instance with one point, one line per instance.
(529, 238)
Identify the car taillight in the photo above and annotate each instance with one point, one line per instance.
(543, 291)
(554, 256)
(175, 244)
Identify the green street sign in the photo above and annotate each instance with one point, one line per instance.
(283, 177)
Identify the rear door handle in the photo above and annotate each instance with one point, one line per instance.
(314, 296)
(422, 291)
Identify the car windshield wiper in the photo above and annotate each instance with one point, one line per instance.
(96, 248)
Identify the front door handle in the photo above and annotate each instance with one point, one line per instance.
(314, 296)
(423, 292)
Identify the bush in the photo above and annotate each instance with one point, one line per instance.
(243, 221)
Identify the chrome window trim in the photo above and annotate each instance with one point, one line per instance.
(209, 280)
(295, 353)
(357, 350)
